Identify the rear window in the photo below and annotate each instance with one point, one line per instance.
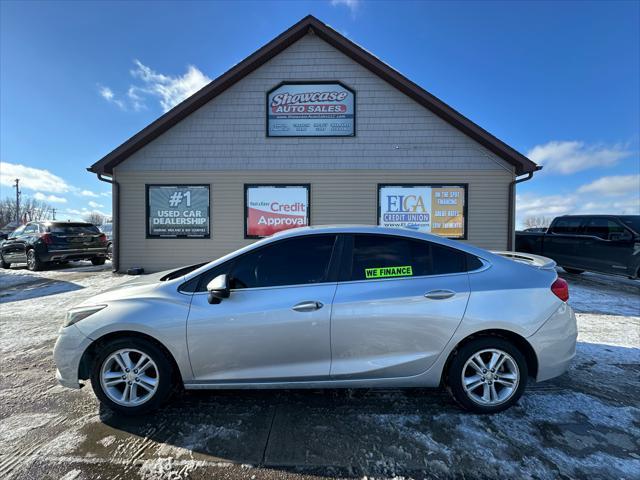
(70, 228)
(567, 226)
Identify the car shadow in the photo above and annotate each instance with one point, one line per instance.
(38, 287)
(410, 432)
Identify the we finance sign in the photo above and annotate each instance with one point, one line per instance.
(273, 208)
(311, 110)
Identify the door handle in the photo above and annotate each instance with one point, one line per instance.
(307, 306)
(439, 294)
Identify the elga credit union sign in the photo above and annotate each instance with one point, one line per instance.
(273, 208)
(178, 211)
(437, 209)
(311, 110)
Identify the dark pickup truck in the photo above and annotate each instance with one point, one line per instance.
(597, 243)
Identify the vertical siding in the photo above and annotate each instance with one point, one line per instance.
(343, 197)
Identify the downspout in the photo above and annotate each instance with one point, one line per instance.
(115, 260)
(511, 220)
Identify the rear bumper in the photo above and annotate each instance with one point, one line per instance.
(76, 254)
(67, 353)
(555, 343)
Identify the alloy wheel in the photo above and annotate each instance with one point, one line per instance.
(490, 377)
(31, 260)
(129, 377)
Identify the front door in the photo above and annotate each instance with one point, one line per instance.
(275, 325)
(399, 304)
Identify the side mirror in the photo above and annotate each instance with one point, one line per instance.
(218, 289)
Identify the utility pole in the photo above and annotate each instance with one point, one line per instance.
(17, 187)
(53, 211)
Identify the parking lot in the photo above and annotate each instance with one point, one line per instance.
(585, 423)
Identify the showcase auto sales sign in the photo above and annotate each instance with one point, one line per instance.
(271, 209)
(311, 109)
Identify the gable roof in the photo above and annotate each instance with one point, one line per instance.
(309, 23)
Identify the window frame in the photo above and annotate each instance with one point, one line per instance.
(332, 270)
(346, 264)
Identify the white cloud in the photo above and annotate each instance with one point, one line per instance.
(89, 193)
(106, 194)
(586, 200)
(32, 178)
(352, 5)
(49, 198)
(169, 90)
(570, 157)
(93, 204)
(614, 185)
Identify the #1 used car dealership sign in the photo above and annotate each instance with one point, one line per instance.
(310, 109)
(178, 211)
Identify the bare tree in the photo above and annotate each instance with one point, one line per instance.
(31, 210)
(537, 222)
(94, 217)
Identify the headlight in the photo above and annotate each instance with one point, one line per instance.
(76, 314)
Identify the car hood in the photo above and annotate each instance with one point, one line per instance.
(141, 286)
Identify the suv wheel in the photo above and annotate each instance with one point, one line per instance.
(110, 251)
(487, 375)
(132, 376)
(98, 260)
(33, 261)
(4, 264)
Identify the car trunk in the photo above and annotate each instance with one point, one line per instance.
(70, 236)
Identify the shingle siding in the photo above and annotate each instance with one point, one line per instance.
(224, 144)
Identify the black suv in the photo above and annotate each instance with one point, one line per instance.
(38, 243)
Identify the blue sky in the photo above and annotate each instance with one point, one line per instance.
(559, 81)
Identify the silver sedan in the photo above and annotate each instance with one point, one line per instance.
(327, 307)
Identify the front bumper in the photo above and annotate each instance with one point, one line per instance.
(555, 343)
(67, 353)
(74, 254)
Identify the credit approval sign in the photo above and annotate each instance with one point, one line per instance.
(273, 208)
(437, 209)
(301, 109)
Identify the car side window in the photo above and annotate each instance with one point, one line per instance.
(294, 261)
(604, 228)
(567, 226)
(384, 256)
(30, 229)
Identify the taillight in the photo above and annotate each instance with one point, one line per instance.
(102, 238)
(46, 238)
(560, 289)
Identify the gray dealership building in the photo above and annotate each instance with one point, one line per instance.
(310, 129)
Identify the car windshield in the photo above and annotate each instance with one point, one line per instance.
(633, 222)
(73, 228)
(16, 232)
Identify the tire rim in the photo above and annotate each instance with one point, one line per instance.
(490, 377)
(31, 259)
(129, 377)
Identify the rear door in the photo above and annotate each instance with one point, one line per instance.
(275, 324)
(563, 243)
(397, 304)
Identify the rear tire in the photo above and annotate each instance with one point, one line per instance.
(475, 387)
(573, 271)
(33, 261)
(110, 251)
(98, 260)
(4, 264)
(146, 388)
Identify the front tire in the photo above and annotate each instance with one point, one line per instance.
(487, 375)
(98, 260)
(4, 264)
(573, 271)
(132, 376)
(33, 261)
